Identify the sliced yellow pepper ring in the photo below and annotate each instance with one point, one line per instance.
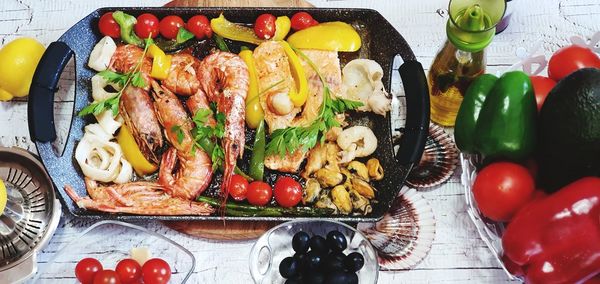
(254, 111)
(132, 153)
(332, 36)
(161, 63)
(233, 31)
(299, 94)
(282, 27)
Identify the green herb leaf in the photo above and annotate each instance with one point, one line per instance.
(114, 77)
(221, 43)
(183, 35)
(137, 80)
(201, 116)
(149, 41)
(176, 129)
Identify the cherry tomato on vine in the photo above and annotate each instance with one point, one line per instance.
(259, 193)
(106, 276)
(501, 189)
(302, 20)
(287, 191)
(169, 26)
(569, 59)
(86, 269)
(238, 187)
(199, 26)
(541, 87)
(147, 24)
(128, 270)
(264, 27)
(156, 271)
(108, 26)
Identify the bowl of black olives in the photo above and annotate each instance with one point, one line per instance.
(313, 251)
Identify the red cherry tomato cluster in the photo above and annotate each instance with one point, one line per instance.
(264, 26)
(287, 191)
(148, 25)
(127, 271)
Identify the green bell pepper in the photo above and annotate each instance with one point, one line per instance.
(468, 113)
(506, 126)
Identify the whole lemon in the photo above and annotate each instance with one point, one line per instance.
(18, 60)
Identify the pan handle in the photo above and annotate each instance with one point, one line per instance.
(40, 109)
(417, 113)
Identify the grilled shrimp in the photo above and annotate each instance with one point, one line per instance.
(224, 78)
(136, 108)
(126, 58)
(182, 78)
(195, 167)
(144, 198)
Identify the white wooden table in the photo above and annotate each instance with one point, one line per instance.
(458, 255)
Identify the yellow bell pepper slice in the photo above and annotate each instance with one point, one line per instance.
(331, 36)
(233, 31)
(161, 63)
(254, 111)
(133, 154)
(299, 94)
(282, 27)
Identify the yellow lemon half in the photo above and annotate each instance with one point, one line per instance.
(3, 196)
(18, 58)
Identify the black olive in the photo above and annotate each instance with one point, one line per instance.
(336, 241)
(288, 267)
(314, 260)
(300, 242)
(335, 261)
(318, 244)
(295, 280)
(341, 277)
(354, 261)
(314, 277)
(302, 260)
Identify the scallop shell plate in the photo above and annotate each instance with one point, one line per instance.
(404, 236)
(438, 162)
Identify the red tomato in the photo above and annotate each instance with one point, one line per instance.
(302, 20)
(512, 267)
(156, 271)
(287, 191)
(259, 193)
(169, 26)
(108, 26)
(147, 24)
(501, 189)
(128, 270)
(238, 187)
(106, 276)
(86, 269)
(264, 27)
(571, 58)
(199, 26)
(541, 87)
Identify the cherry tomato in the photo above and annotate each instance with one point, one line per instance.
(169, 26)
(86, 269)
(147, 24)
(238, 187)
(128, 270)
(264, 27)
(259, 193)
(106, 276)
(108, 26)
(302, 20)
(156, 271)
(199, 26)
(287, 191)
(501, 189)
(571, 58)
(541, 87)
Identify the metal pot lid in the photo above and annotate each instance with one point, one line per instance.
(31, 214)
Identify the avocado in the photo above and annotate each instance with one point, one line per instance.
(569, 131)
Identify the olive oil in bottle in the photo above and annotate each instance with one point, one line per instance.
(470, 29)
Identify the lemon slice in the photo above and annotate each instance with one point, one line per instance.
(3, 196)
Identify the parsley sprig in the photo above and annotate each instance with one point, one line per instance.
(206, 137)
(288, 140)
(134, 77)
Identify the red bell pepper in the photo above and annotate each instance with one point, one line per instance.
(557, 239)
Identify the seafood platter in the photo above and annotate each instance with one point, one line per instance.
(230, 120)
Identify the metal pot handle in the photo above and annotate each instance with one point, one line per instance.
(40, 109)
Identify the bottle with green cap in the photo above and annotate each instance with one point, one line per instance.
(470, 28)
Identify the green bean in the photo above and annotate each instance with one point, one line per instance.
(257, 162)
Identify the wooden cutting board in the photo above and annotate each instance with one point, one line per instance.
(230, 230)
